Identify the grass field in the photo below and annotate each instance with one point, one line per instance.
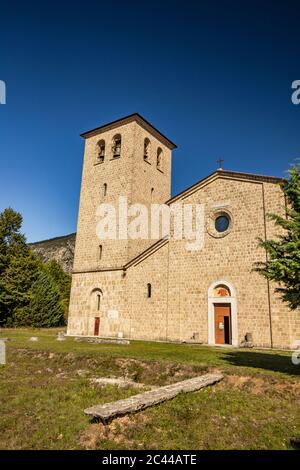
(45, 386)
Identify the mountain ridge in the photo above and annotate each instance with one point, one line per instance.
(59, 248)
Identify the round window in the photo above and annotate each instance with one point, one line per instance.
(222, 223)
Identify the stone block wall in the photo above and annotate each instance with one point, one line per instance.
(179, 308)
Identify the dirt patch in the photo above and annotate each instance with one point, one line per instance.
(254, 385)
(238, 381)
(261, 385)
(141, 371)
(160, 373)
(118, 431)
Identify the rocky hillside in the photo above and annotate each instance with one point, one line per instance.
(60, 248)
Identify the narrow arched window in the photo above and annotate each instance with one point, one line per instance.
(98, 302)
(116, 146)
(146, 149)
(152, 194)
(105, 189)
(100, 252)
(149, 291)
(159, 159)
(101, 151)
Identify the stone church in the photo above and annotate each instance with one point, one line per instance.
(156, 289)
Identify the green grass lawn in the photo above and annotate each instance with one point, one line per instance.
(45, 386)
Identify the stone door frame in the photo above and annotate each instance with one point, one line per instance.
(92, 312)
(211, 311)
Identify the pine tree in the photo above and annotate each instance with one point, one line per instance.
(11, 240)
(31, 293)
(283, 264)
(63, 282)
(18, 266)
(17, 281)
(45, 308)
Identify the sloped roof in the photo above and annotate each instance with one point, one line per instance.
(149, 251)
(228, 175)
(127, 119)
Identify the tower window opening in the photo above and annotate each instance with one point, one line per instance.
(159, 159)
(101, 151)
(117, 142)
(100, 252)
(149, 291)
(98, 302)
(105, 189)
(146, 149)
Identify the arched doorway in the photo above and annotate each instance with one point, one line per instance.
(222, 314)
(95, 306)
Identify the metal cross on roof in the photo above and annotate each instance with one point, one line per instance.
(219, 162)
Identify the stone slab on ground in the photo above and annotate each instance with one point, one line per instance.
(2, 352)
(109, 411)
(60, 336)
(101, 340)
(118, 381)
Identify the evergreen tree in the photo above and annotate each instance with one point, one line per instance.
(18, 266)
(17, 281)
(31, 293)
(283, 264)
(63, 282)
(45, 308)
(12, 241)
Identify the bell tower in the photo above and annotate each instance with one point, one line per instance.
(127, 158)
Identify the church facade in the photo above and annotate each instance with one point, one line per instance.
(155, 288)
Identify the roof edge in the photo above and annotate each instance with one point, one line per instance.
(126, 119)
(147, 252)
(229, 174)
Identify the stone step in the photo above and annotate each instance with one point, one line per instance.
(109, 411)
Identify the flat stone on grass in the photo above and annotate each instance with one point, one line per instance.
(89, 339)
(119, 382)
(109, 411)
(60, 336)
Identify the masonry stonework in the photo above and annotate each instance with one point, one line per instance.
(182, 305)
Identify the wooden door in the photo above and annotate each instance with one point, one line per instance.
(97, 326)
(222, 324)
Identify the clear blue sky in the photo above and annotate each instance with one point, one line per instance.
(214, 76)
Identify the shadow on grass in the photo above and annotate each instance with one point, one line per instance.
(274, 362)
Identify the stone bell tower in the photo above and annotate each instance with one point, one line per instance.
(127, 158)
